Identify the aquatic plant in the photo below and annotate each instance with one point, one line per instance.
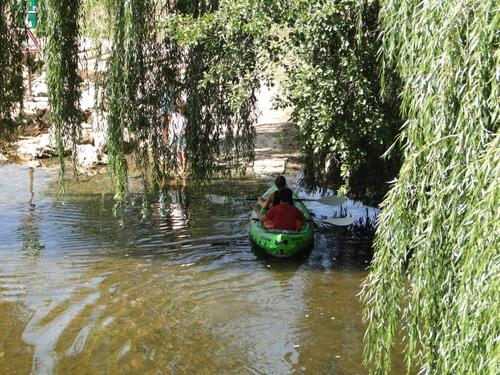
(435, 270)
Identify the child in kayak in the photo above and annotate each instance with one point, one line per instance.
(272, 199)
(285, 215)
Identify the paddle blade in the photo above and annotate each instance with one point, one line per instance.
(333, 200)
(217, 199)
(339, 221)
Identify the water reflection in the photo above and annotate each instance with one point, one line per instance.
(177, 291)
(29, 231)
(171, 209)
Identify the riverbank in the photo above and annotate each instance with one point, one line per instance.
(276, 149)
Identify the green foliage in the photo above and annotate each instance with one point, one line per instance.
(41, 27)
(194, 55)
(63, 81)
(127, 86)
(97, 18)
(195, 8)
(220, 85)
(334, 88)
(435, 271)
(11, 75)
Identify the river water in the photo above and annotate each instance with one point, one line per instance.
(171, 288)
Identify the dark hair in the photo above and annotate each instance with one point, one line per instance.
(280, 182)
(181, 107)
(285, 195)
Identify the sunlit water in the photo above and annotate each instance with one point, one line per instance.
(175, 288)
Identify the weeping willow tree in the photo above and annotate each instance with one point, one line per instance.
(220, 87)
(164, 53)
(126, 86)
(435, 273)
(11, 75)
(63, 81)
(218, 78)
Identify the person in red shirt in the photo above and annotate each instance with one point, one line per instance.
(284, 216)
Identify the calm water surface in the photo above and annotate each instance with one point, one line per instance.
(173, 288)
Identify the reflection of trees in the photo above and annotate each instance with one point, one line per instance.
(29, 231)
(172, 206)
(87, 219)
(178, 212)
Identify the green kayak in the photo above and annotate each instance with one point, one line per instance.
(282, 243)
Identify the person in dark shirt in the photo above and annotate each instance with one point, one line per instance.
(272, 198)
(285, 215)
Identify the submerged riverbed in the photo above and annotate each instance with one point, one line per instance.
(172, 288)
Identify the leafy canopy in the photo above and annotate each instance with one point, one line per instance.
(333, 85)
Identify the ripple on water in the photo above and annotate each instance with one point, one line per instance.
(44, 337)
(178, 288)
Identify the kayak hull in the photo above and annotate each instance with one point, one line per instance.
(283, 244)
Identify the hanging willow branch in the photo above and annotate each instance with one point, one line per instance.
(11, 75)
(63, 81)
(194, 56)
(436, 268)
(127, 88)
(220, 87)
(333, 85)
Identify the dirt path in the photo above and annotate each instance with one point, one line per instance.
(276, 150)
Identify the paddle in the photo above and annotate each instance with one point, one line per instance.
(338, 221)
(332, 200)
